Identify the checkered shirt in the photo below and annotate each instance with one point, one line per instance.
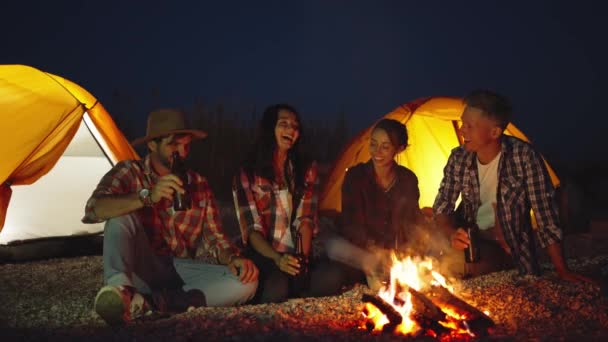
(523, 184)
(259, 207)
(194, 233)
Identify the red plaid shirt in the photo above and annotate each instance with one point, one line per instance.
(194, 233)
(259, 207)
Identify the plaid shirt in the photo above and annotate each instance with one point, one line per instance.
(259, 207)
(194, 233)
(523, 184)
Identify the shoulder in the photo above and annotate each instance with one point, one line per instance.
(405, 173)
(459, 153)
(357, 170)
(517, 144)
(520, 149)
(129, 164)
(128, 167)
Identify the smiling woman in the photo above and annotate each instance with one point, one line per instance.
(275, 197)
(380, 210)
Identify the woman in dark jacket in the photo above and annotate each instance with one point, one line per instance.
(380, 211)
(380, 198)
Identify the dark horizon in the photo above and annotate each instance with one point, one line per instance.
(362, 59)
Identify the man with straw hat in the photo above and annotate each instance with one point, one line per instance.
(157, 259)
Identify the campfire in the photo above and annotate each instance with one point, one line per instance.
(418, 301)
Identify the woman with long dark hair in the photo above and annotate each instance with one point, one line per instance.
(275, 195)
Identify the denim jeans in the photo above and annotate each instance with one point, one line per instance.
(128, 259)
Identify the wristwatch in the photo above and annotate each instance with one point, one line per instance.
(145, 196)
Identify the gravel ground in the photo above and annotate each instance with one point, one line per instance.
(53, 300)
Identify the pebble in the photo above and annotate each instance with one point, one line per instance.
(524, 308)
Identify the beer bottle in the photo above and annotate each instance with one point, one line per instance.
(471, 253)
(300, 281)
(180, 201)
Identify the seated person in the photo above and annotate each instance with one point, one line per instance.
(275, 195)
(155, 258)
(380, 211)
(499, 179)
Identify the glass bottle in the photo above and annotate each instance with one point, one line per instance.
(180, 201)
(300, 282)
(471, 253)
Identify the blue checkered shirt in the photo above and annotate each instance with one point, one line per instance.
(523, 184)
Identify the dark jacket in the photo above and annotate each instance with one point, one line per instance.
(372, 216)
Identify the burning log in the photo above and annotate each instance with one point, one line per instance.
(475, 320)
(425, 307)
(427, 314)
(391, 314)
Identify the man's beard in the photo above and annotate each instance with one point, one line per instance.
(165, 162)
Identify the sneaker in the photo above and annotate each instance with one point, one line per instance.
(120, 304)
(178, 300)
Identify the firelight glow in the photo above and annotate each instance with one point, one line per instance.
(417, 274)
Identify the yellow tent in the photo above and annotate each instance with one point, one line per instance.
(432, 128)
(49, 123)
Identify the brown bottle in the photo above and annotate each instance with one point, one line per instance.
(180, 201)
(299, 283)
(471, 253)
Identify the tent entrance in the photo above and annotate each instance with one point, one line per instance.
(53, 206)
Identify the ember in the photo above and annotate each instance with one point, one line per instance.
(418, 302)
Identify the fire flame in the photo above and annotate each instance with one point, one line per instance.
(417, 274)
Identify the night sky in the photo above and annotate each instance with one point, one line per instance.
(362, 58)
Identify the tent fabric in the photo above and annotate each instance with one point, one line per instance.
(432, 125)
(41, 113)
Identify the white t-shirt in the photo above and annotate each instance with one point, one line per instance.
(488, 183)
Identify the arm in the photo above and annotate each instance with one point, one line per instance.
(353, 217)
(541, 193)
(306, 221)
(449, 190)
(116, 194)
(215, 240)
(284, 261)
(109, 206)
(259, 243)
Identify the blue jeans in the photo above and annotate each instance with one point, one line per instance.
(128, 259)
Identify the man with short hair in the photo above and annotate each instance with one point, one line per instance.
(157, 259)
(499, 178)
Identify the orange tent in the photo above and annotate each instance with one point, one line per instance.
(432, 125)
(41, 115)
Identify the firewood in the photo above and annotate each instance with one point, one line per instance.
(425, 307)
(393, 316)
(429, 326)
(477, 321)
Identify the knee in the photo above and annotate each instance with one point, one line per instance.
(121, 225)
(246, 292)
(235, 293)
